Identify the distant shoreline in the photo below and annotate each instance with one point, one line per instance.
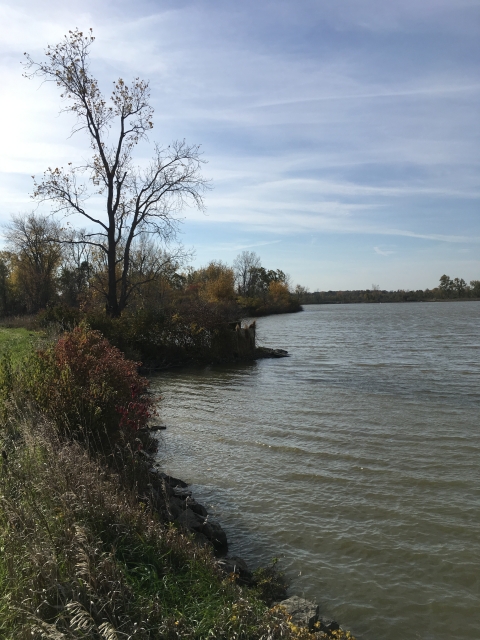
(330, 302)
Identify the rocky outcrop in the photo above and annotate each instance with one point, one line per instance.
(172, 498)
(266, 352)
(307, 614)
(303, 612)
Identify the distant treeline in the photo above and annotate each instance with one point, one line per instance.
(448, 289)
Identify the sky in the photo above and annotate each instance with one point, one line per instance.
(342, 137)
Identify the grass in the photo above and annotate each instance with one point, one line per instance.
(17, 341)
(81, 558)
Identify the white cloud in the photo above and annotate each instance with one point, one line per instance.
(382, 252)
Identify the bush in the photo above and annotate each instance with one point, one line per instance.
(193, 329)
(88, 389)
(61, 315)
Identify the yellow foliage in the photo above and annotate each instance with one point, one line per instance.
(278, 292)
(221, 288)
(215, 282)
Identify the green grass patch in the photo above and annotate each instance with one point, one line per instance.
(18, 342)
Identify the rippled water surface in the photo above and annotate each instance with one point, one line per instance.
(355, 460)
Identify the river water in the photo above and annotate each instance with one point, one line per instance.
(355, 461)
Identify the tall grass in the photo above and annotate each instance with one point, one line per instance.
(82, 558)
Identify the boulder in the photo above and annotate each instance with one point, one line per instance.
(328, 625)
(266, 352)
(171, 481)
(175, 507)
(202, 540)
(191, 521)
(182, 493)
(196, 507)
(303, 612)
(179, 506)
(234, 564)
(216, 535)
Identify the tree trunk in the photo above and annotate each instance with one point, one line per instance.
(112, 309)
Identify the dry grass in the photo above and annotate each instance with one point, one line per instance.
(27, 322)
(82, 558)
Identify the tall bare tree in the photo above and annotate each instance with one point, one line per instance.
(136, 201)
(244, 265)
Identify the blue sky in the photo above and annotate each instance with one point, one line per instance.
(342, 136)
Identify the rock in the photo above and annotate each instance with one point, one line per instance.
(266, 352)
(191, 521)
(234, 564)
(171, 481)
(304, 613)
(328, 625)
(188, 513)
(176, 507)
(202, 540)
(196, 507)
(182, 493)
(216, 535)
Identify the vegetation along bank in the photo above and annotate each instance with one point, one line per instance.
(96, 542)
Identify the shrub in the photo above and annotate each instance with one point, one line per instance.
(61, 315)
(88, 388)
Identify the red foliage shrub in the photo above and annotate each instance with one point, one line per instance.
(88, 387)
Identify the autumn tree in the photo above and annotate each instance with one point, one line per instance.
(136, 201)
(261, 279)
(213, 283)
(35, 257)
(453, 288)
(7, 291)
(475, 288)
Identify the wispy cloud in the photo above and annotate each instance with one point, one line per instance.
(313, 121)
(438, 237)
(382, 252)
(242, 247)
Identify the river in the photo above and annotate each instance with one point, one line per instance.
(355, 461)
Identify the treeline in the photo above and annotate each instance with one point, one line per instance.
(448, 289)
(172, 312)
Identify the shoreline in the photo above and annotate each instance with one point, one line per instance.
(181, 508)
(176, 504)
(260, 353)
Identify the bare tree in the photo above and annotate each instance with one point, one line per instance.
(244, 266)
(147, 263)
(136, 201)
